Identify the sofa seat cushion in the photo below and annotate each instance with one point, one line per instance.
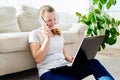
(16, 41)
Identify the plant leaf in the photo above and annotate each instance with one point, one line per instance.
(106, 39)
(118, 22)
(107, 19)
(99, 17)
(78, 14)
(100, 26)
(95, 1)
(103, 1)
(113, 31)
(100, 5)
(95, 30)
(108, 5)
(113, 20)
(93, 19)
(97, 11)
(115, 2)
(89, 16)
(89, 31)
(103, 45)
(88, 22)
(112, 40)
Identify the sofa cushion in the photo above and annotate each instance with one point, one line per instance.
(29, 19)
(17, 41)
(8, 20)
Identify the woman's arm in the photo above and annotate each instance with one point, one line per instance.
(67, 57)
(38, 51)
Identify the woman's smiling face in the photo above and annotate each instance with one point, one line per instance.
(50, 19)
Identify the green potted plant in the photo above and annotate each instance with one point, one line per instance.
(100, 23)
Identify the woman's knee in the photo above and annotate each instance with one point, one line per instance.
(46, 76)
(95, 61)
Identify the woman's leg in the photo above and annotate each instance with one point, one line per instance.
(69, 73)
(56, 76)
(98, 70)
(92, 67)
(74, 72)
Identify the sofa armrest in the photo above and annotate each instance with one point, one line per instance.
(78, 28)
(70, 37)
(64, 27)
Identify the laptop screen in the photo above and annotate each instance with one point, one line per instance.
(88, 49)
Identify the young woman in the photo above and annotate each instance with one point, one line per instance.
(47, 48)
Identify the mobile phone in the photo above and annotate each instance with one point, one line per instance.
(42, 21)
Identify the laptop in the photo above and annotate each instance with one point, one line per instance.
(87, 49)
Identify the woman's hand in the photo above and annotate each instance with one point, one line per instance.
(46, 32)
(70, 59)
(67, 57)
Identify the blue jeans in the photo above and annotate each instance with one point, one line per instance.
(77, 73)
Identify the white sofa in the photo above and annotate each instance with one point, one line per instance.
(15, 54)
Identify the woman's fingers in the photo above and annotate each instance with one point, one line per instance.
(46, 32)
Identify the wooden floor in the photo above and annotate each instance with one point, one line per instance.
(110, 61)
(24, 75)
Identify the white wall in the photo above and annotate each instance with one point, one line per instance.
(66, 8)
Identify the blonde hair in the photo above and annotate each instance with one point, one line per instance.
(46, 8)
(49, 9)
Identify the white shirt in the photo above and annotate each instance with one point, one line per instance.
(54, 57)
